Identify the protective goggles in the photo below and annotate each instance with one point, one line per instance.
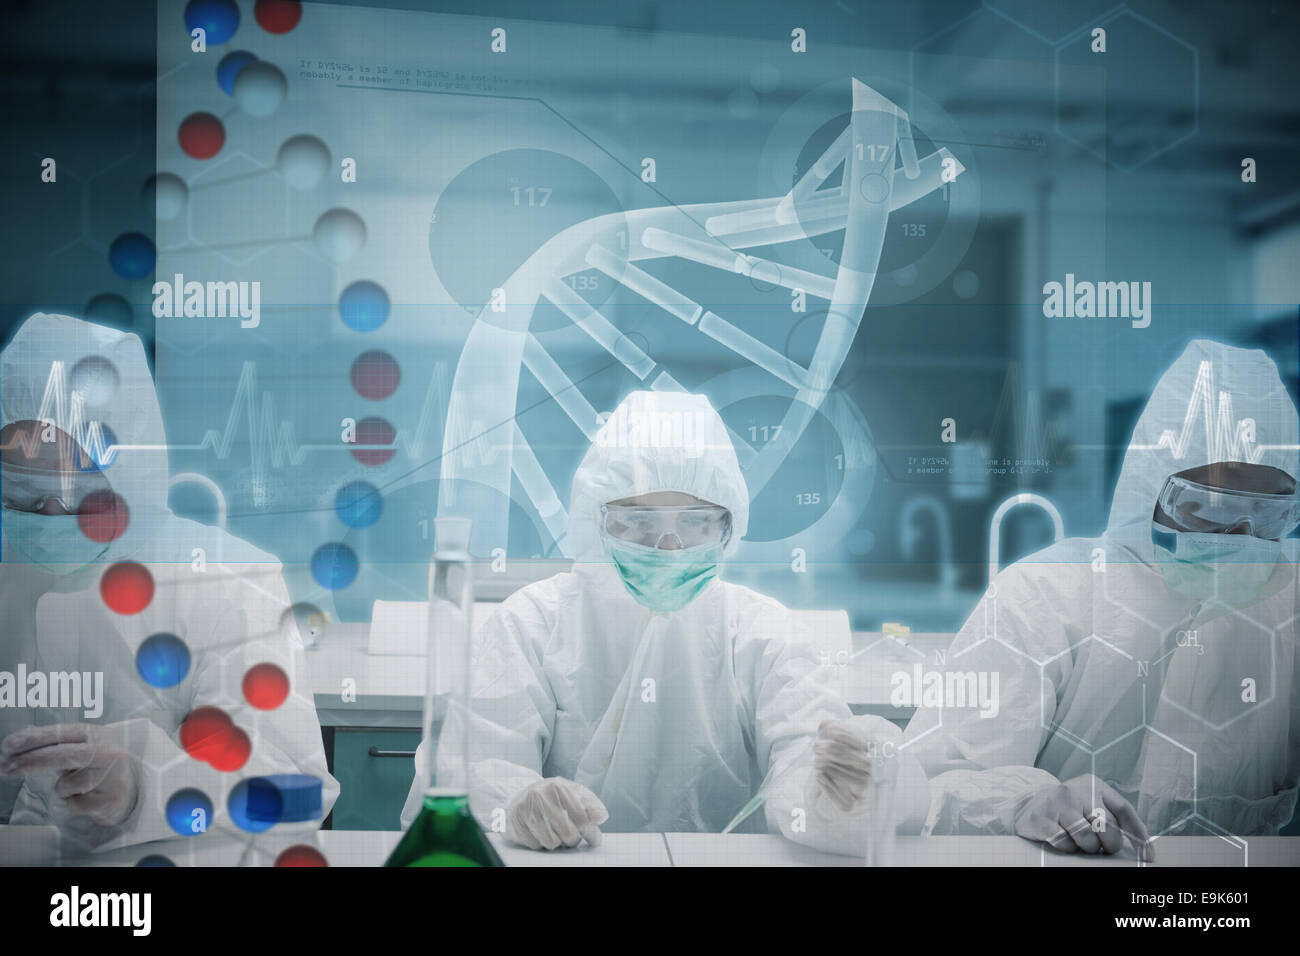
(32, 489)
(667, 526)
(1197, 507)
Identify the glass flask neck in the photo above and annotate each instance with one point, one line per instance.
(447, 678)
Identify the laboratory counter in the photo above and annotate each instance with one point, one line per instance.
(354, 686)
(368, 685)
(369, 848)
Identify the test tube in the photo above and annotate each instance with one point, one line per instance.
(882, 794)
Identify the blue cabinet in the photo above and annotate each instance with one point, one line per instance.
(374, 769)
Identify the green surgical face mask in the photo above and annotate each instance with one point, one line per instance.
(53, 542)
(663, 580)
(1232, 567)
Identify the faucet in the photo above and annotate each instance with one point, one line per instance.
(995, 526)
(909, 534)
(218, 496)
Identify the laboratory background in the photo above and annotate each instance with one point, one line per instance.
(390, 192)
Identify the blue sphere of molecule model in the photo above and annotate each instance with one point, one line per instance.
(219, 19)
(334, 566)
(189, 812)
(154, 859)
(259, 803)
(132, 255)
(94, 455)
(229, 68)
(108, 308)
(363, 306)
(163, 660)
(254, 806)
(358, 504)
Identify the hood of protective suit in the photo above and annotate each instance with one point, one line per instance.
(1215, 403)
(656, 441)
(73, 373)
(735, 696)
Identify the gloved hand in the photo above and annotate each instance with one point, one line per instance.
(554, 812)
(97, 778)
(842, 761)
(1062, 815)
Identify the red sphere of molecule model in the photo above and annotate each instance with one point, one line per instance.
(236, 753)
(206, 733)
(301, 855)
(277, 16)
(103, 516)
(201, 135)
(266, 686)
(127, 587)
(374, 431)
(375, 375)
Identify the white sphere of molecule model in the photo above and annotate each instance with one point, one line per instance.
(167, 194)
(96, 378)
(303, 161)
(260, 88)
(339, 235)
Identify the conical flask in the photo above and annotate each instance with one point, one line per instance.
(446, 833)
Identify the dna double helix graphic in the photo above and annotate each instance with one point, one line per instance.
(882, 173)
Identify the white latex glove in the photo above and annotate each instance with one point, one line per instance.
(97, 778)
(1062, 815)
(554, 812)
(842, 759)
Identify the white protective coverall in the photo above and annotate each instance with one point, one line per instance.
(671, 719)
(224, 599)
(1187, 706)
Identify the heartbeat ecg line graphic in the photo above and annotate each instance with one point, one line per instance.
(1226, 437)
(273, 442)
(268, 440)
(66, 410)
(1034, 437)
(436, 398)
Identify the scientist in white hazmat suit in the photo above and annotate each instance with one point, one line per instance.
(641, 693)
(103, 774)
(1149, 676)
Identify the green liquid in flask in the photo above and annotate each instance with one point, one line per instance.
(445, 834)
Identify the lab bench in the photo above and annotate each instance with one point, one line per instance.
(370, 705)
(368, 848)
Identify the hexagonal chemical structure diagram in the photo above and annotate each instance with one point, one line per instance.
(1222, 672)
(237, 210)
(1138, 99)
(1052, 22)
